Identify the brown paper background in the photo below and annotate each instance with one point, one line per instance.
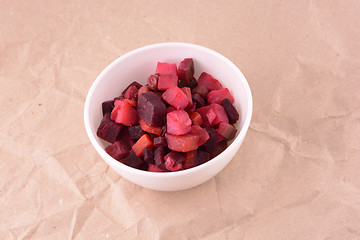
(296, 175)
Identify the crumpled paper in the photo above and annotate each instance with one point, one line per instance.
(295, 176)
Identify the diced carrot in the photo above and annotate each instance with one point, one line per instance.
(150, 129)
(141, 144)
(196, 118)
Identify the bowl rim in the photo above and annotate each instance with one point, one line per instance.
(199, 168)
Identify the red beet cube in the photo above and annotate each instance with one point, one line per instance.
(182, 143)
(226, 130)
(134, 83)
(193, 83)
(196, 118)
(190, 159)
(178, 122)
(141, 144)
(230, 111)
(107, 106)
(149, 155)
(166, 68)
(159, 155)
(135, 132)
(173, 161)
(198, 100)
(154, 168)
(108, 129)
(153, 82)
(203, 157)
(134, 161)
(182, 84)
(167, 81)
(131, 93)
(207, 115)
(211, 115)
(175, 97)
(151, 109)
(187, 91)
(209, 82)
(124, 113)
(201, 132)
(201, 90)
(118, 150)
(186, 70)
(217, 96)
(160, 142)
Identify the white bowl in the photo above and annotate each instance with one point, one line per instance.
(137, 65)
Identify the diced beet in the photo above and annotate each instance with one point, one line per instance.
(219, 148)
(182, 143)
(186, 70)
(230, 110)
(108, 129)
(166, 68)
(107, 106)
(190, 159)
(201, 90)
(153, 82)
(216, 143)
(212, 141)
(131, 93)
(169, 109)
(196, 118)
(159, 94)
(134, 83)
(118, 150)
(178, 122)
(203, 157)
(149, 155)
(176, 97)
(143, 89)
(154, 168)
(201, 132)
(124, 113)
(214, 135)
(200, 102)
(217, 96)
(193, 83)
(226, 130)
(207, 113)
(159, 155)
(141, 144)
(191, 108)
(167, 81)
(124, 135)
(134, 161)
(187, 91)
(160, 142)
(209, 82)
(151, 109)
(150, 129)
(182, 84)
(173, 161)
(211, 115)
(135, 132)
